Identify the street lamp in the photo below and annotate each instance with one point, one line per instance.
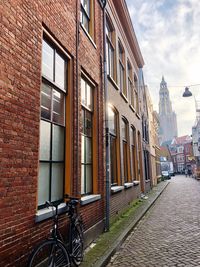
(187, 92)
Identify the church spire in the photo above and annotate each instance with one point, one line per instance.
(168, 124)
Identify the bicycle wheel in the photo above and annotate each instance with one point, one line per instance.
(77, 245)
(50, 253)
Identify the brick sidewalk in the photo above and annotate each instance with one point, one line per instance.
(169, 233)
(109, 242)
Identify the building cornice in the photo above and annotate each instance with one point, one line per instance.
(125, 20)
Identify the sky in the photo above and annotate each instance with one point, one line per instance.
(168, 33)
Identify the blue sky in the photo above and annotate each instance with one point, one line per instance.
(168, 33)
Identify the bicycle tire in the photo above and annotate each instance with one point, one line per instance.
(77, 244)
(50, 253)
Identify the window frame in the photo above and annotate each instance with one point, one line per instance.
(133, 146)
(122, 69)
(89, 17)
(125, 150)
(136, 94)
(110, 49)
(94, 137)
(130, 84)
(115, 136)
(54, 87)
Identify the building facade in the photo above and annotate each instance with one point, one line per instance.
(124, 64)
(181, 152)
(167, 117)
(52, 117)
(153, 140)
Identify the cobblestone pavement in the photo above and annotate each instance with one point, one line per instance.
(169, 234)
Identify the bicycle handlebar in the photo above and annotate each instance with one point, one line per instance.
(71, 198)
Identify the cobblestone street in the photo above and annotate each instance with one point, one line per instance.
(169, 234)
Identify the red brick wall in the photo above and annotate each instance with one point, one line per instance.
(121, 200)
(20, 79)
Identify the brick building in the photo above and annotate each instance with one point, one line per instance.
(51, 113)
(124, 71)
(181, 152)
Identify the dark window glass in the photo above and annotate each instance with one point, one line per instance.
(85, 14)
(86, 139)
(125, 149)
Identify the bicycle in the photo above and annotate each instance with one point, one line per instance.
(54, 252)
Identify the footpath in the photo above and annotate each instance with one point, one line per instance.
(100, 252)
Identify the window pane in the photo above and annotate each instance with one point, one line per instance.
(82, 121)
(111, 62)
(58, 144)
(85, 22)
(125, 162)
(88, 123)
(107, 57)
(57, 181)
(82, 179)
(108, 31)
(88, 179)
(60, 75)
(89, 97)
(111, 120)
(88, 147)
(58, 107)
(86, 6)
(124, 130)
(46, 101)
(43, 183)
(82, 149)
(47, 60)
(113, 160)
(83, 92)
(45, 135)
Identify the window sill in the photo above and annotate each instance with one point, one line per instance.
(128, 185)
(115, 189)
(135, 183)
(89, 36)
(89, 199)
(113, 82)
(124, 97)
(47, 213)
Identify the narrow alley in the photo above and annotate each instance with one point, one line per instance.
(169, 234)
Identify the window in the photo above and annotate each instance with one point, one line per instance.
(112, 119)
(125, 148)
(136, 94)
(140, 170)
(52, 125)
(110, 49)
(86, 138)
(122, 71)
(87, 16)
(130, 85)
(133, 154)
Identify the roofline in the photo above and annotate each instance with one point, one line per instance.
(125, 19)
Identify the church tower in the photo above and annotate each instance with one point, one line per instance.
(168, 122)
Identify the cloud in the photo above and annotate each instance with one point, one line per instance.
(168, 35)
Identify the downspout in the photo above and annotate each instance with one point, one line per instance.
(107, 213)
(77, 96)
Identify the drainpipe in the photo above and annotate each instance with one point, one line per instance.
(77, 93)
(107, 212)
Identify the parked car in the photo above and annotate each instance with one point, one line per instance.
(166, 175)
(171, 173)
